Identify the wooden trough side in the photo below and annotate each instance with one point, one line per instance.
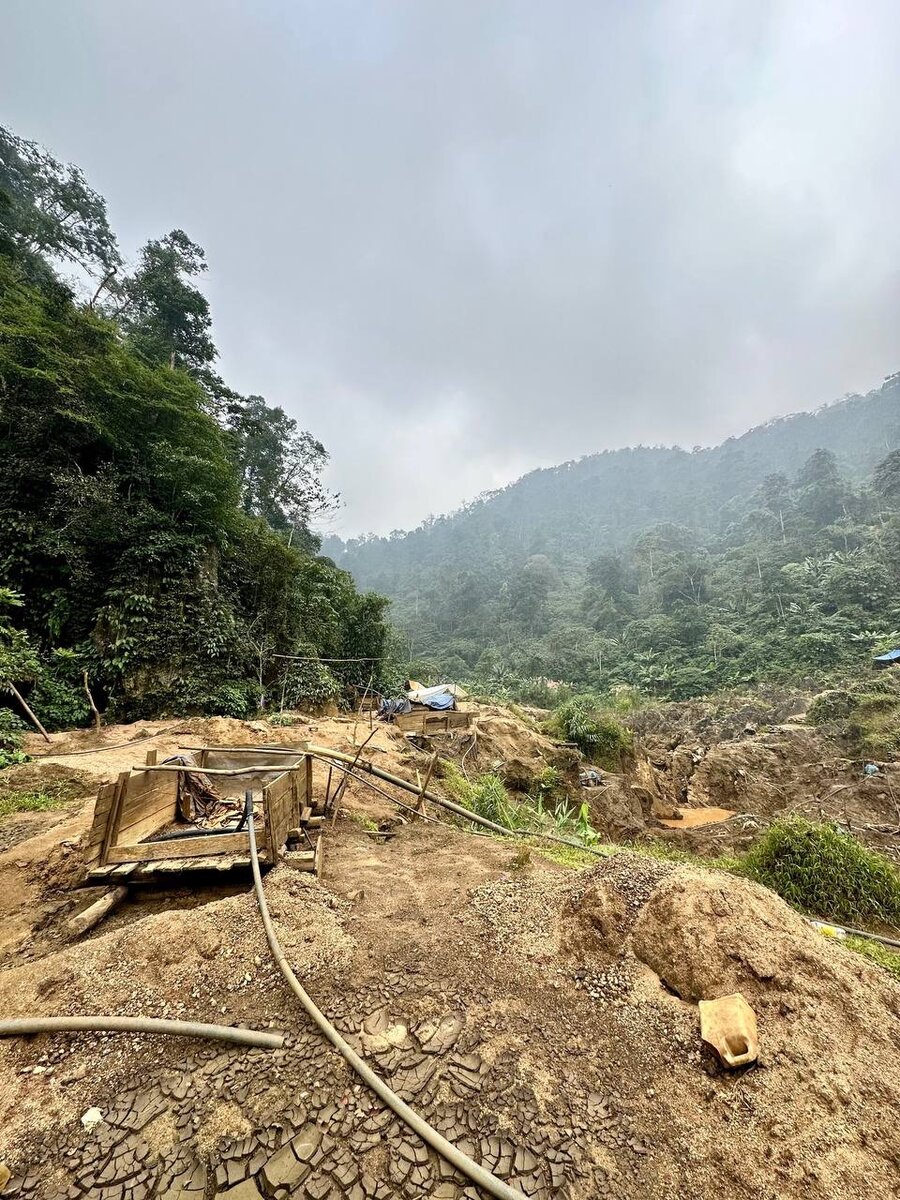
(145, 801)
(427, 721)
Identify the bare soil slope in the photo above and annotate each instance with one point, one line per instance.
(544, 1018)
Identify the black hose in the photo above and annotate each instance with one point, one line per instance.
(248, 809)
(181, 834)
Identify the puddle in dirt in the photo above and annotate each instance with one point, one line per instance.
(692, 817)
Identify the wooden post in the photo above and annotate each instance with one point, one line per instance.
(420, 804)
(151, 758)
(21, 699)
(308, 762)
(95, 913)
(98, 720)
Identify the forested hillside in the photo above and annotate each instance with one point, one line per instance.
(772, 555)
(154, 524)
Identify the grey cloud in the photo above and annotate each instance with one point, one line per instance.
(459, 240)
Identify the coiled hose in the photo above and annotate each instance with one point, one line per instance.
(479, 1176)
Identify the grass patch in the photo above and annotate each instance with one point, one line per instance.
(824, 872)
(32, 801)
(664, 851)
(569, 856)
(876, 953)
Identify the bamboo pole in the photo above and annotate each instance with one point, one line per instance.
(257, 768)
(21, 699)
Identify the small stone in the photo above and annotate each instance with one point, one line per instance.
(91, 1119)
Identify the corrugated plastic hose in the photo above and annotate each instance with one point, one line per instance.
(101, 1024)
(479, 1176)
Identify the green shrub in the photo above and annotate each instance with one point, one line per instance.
(547, 784)
(489, 799)
(239, 699)
(866, 713)
(59, 702)
(830, 706)
(486, 796)
(12, 730)
(12, 734)
(825, 872)
(309, 685)
(597, 734)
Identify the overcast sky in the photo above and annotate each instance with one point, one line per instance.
(461, 240)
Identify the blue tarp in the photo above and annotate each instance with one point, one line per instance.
(892, 656)
(441, 701)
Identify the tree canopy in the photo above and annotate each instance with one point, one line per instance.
(154, 525)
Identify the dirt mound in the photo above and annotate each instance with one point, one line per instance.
(505, 738)
(723, 719)
(812, 1118)
(62, 785)
(618, 811)
(706, 935)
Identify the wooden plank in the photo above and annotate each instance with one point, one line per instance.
(145, 804)
(121, 871)
(195, 847)
(99, 874)
(263, 768)
(136, 872)
(113, 822)
(179, 866)
(259, 748)
(278, 809)
(162, 800)
(102, 806)
(153, 822)
(432, 722)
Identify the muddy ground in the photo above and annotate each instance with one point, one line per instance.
(543, 1018)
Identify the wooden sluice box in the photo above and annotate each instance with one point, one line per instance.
(159, 820)
(427, 721)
